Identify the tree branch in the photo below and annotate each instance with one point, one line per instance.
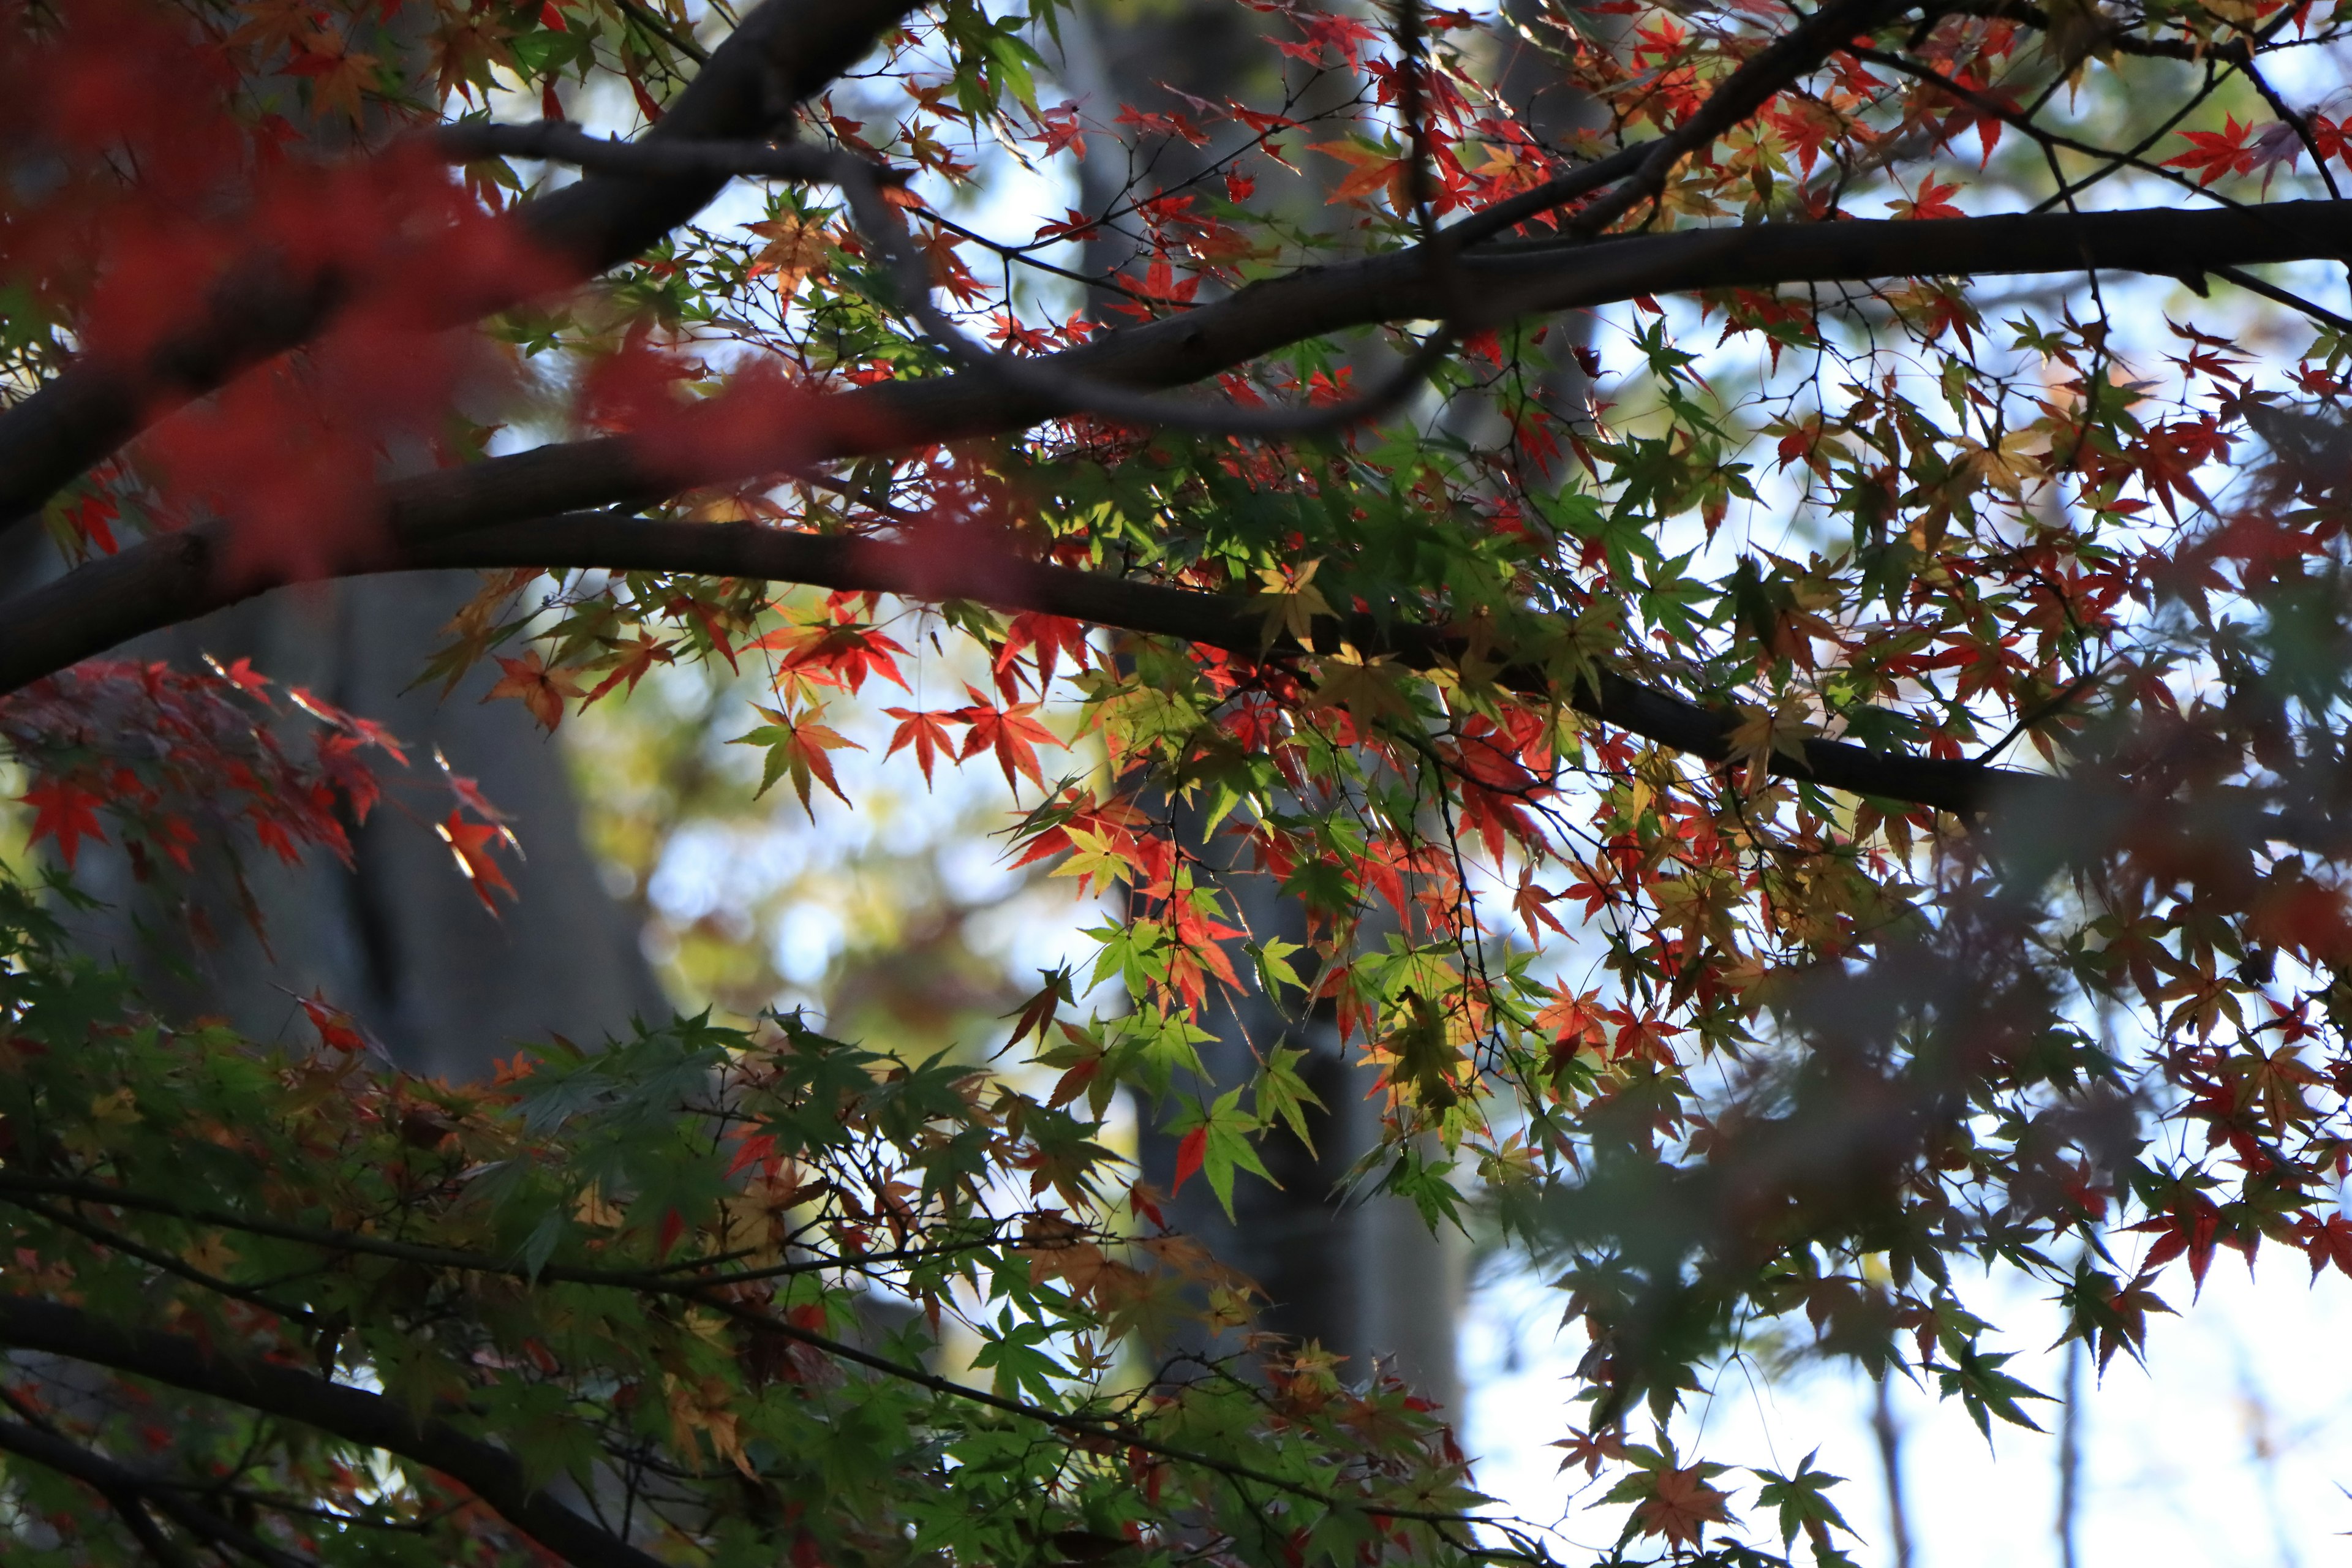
(131, 1491)
(174, 577)
(785, 51)
(489, 1472)
(1212, 620)
(622, 542)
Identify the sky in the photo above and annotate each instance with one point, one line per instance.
(2231, 1447)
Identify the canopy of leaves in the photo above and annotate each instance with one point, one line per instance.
(1800, 773)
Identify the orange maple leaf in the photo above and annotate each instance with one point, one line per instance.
(1682, 1506)
(1370, 169)
(926, 733)
(470, 842)
(540, 688)
(338, 76)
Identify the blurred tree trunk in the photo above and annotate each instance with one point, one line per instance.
(1360, 1275)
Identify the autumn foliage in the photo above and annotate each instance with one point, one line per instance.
(1792, 764)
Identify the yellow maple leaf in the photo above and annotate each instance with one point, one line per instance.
(705, 1406)
(337, 74)
(1761, 732)
(1289, 602)
(1369, 689)
(212, 1256)
(2007, 467)
(1097, 859)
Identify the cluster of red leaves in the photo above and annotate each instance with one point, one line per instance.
(186, 763)
(169, 175)
(182, 758)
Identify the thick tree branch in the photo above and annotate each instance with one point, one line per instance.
(175, 577)
(622, 542)
(489, 1472)
(785, 51)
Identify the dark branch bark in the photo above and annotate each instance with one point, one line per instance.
(929, 571)
(785, 51)
(489, 1472)
(2084, 813)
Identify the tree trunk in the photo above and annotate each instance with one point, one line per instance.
(1361, 1276)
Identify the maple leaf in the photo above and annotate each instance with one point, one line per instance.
(1011, 732)
(337, 1032)
(337, 75)
(2213, 153)
(706, 1405)
(1059, 128)
(1529, 902)
(1369, 689)
(1049, 639)
(272, 24)
(797, 745)
(837, 654)
(926, 733)
(1098, 860)
(1574, 1019)
(242, 676)
(1591, 1450)
(1675, 1502)
(1289, 604)
(1802, 1506)
(1763, 731)
(628, 662)
(1215, 1143)
(470, 843)
(1037, 1012)
(798, 249)
(1426, 1059)
(1930, 202)
(1370, 169)
(537, 688)
(65, 812)
(469, 794)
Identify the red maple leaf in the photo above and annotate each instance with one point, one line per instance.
(1930, 202)
(1190, 1150)
(1009, 732)
(65, 811)
(2213, 153)
(841, 656)
(926, 733)
(337, 1032)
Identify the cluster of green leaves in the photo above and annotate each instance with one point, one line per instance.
(692, 1281)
